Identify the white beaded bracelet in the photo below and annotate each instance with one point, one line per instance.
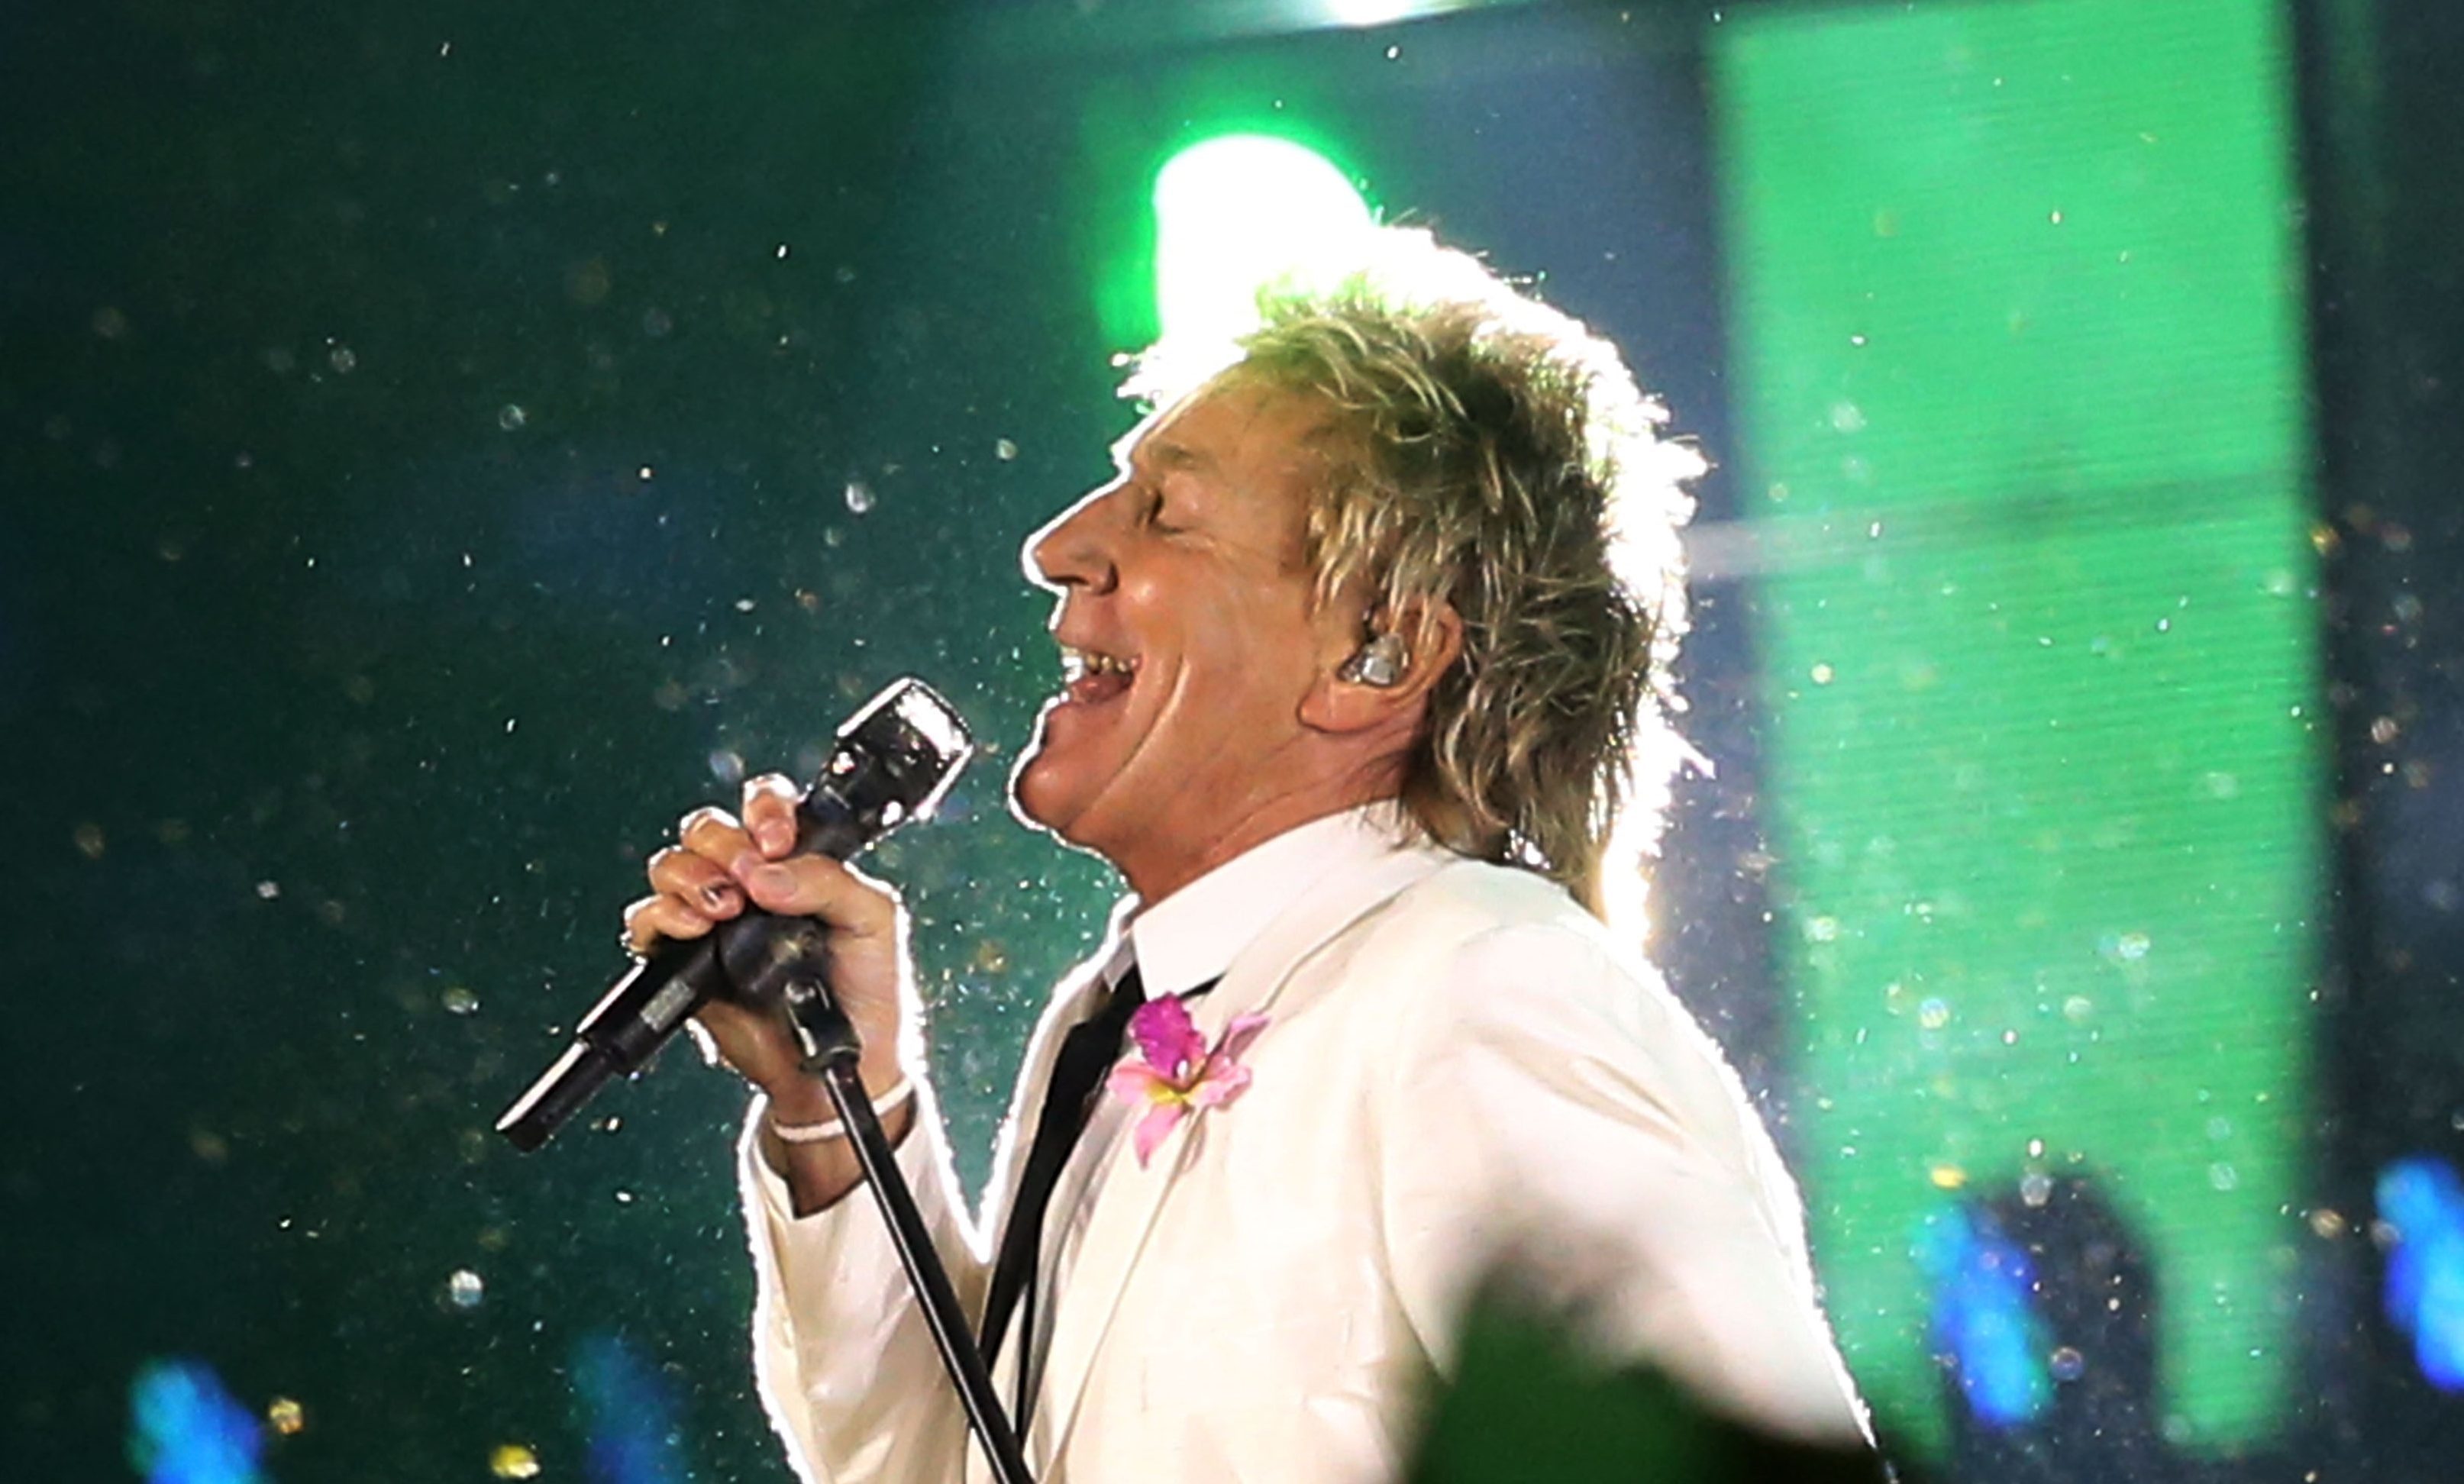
(818, 1133)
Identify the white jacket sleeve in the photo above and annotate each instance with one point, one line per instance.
(845, 1366)
(1549, 1109)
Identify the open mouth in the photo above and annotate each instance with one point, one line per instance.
(1089, 677)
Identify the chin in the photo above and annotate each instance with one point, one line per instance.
(1028, 801)
(1064, 799)
(1038, 798)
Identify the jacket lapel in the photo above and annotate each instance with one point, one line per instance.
(1072, 1004)
(1133, 1195)
(1074, 1001)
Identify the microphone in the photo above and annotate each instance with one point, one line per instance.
(892, 762)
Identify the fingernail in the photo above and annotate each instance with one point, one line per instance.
(776, 836)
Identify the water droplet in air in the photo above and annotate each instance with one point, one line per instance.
(464, 1288)
(1003, 450)
(344, 360)
(511, 417)
(859, 496)
(513, 1461)
(2068, 1364)
(459, 1000)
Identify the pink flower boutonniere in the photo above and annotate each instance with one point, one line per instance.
(1180, 1075)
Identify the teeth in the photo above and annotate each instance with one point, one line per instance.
(1076, 664)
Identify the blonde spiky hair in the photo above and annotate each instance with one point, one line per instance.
(1496, 455)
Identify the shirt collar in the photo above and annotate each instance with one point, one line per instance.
(1191, 936)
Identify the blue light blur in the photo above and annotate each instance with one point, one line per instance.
(185, 1427)
(2424, 1201)
(629, 1415)
(1985, 1320)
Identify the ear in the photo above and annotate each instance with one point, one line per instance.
(1432, 635)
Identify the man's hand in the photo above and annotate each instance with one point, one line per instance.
(717, 867)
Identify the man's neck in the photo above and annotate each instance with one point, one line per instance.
(1157, 872)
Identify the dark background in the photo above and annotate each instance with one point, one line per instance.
(422, 478)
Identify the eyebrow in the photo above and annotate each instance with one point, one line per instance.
(1162, 452)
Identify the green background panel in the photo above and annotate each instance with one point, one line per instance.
(2061, 229)
(2018, 358)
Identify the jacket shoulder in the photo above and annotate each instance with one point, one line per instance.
(1468, 905)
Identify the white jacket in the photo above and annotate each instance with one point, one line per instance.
(1459, 1066)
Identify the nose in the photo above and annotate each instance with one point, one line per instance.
(1074, 548)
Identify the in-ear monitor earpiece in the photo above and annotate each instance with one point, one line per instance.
(1380, 663)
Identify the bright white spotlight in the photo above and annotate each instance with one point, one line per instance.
(1232, 215)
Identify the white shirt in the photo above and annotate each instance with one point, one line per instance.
(1460, 1068)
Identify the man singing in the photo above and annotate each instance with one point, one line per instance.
(1354, 681)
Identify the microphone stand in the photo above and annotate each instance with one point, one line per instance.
(831, 1049)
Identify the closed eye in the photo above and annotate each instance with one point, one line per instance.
(1151, 512)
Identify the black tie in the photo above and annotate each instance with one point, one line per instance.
(1087, 1054)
